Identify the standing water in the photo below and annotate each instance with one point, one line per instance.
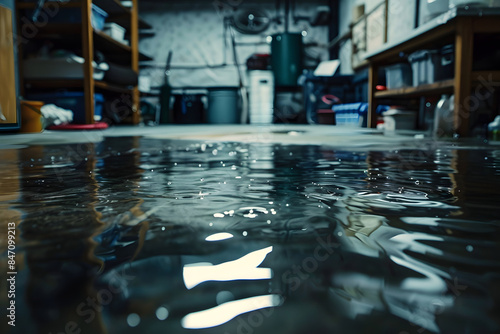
(138, 235)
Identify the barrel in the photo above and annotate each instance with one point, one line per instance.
(287, 58)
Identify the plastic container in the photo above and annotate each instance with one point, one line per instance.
(31, 116)
(444, 117)
(494, 129)
(74, 101)
(115, 31)
(98, 17)
(261, 97)
(398, 75)
(425, 65)
(223, 106)
(458, 3)
(396, 119)
(348, 114)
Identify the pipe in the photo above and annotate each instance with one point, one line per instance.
(287, 15)
(243, 91)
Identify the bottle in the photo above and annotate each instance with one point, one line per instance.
(494, 129)
(443, 117)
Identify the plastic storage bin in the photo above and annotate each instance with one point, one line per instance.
(98, 17)
(261, 96)
(115, 31)
(398, 76)
(355, 114)
(425, 65)
(74, 101)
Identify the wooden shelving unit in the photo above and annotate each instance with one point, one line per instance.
(406, 92)
(85, 37)
(458, 26)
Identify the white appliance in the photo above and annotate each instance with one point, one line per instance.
(261, 93)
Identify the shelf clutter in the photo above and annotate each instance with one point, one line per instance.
(85, 56)
(440, 57)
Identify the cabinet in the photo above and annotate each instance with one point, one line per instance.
(460, 26)
(9, 118)
(82, 36)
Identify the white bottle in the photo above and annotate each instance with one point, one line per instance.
(444, 117)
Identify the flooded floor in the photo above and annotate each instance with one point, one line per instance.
(151, 235)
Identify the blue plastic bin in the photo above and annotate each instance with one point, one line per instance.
(73, 101)
(354, 114)
(347, 114)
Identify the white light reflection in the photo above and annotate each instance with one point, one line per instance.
(244, 268)
(219, 236)
(223, 313)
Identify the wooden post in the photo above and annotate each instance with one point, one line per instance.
(464, 44)
(134, 43)
(88, 55)
(372, 105)
(8, 101)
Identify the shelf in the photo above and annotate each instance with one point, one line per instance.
(105, 43)
(114, 50)
(119, 13)
(74, 83)
(434, 88)
(81, 36)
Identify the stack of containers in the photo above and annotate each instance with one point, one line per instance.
(429, 66)
(261, 93)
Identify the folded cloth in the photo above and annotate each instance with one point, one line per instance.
(54, 115)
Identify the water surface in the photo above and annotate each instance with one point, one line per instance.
(138, 235)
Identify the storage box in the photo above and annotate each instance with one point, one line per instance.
(98, 17)
(355, 114)
(115, 31)
(425, 65)
(74, 101)
(398, 76)
(348, 114)
(395, 119)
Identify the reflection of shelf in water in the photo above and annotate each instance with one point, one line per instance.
(434, 88)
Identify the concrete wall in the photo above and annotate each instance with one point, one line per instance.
(194, 31)
(401, 21)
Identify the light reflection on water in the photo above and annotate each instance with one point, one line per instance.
(141, 235)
